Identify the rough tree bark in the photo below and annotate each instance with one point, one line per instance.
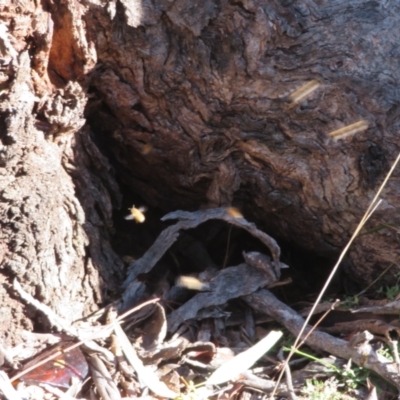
(192, 102)
(51, 241)
(198, 99)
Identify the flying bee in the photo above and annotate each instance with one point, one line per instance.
(300, 94)
(137, 213)
(146, 149)
(349, 130)
(189, 282)
(234, 212)
(117, 135)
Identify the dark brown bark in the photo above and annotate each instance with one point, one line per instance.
(192, 103)
(198, 101)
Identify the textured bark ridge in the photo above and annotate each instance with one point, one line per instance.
(193, 104)
(53, 242)
(198, 100)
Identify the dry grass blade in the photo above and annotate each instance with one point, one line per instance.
(243, 361)
(372, 207)
(145, 374)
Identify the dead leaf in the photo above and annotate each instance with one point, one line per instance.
(243, 361)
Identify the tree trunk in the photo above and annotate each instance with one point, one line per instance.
(55, 244)
(194, 105)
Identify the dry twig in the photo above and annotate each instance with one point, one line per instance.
(361, 353)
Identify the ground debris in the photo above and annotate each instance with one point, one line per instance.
(197, 341)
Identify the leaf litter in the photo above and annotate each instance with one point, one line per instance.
(141, 348)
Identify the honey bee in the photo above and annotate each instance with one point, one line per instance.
(304, 91)
(146, 149)
(117, 135)
(189, 282)
(349, 130)
(234, 212)
(137, 213)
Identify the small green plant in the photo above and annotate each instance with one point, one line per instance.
(193, 392)
(350, 302)
(391, 292)
(352, 377)
(321, 390)
(346, 379)
(386, 352)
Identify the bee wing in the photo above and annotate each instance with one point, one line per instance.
(142, 209)
(130, 216)
(234, 212)
(190, 282)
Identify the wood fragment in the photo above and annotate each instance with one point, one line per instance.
(186, 220)
(392, 308)
(230, 283)
(375, 326)
(263, 263)
(288, 375)
(254, 381)
(145, 373)
(104, 382)
(363, 355)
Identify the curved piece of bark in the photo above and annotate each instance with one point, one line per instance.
(187, 220)
(362, 353)
(230, 283)
(233, 102)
